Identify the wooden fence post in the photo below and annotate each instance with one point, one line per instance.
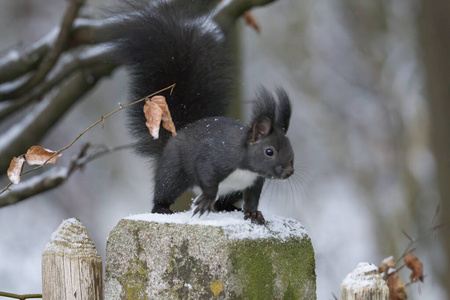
(364, 283)
(71, 265)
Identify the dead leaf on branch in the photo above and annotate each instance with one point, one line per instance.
(251, 21)
(414, 264)
(15, 169)
(397, 289)
(153, 115)
(37, 155)
(157, 111)
(386, 264)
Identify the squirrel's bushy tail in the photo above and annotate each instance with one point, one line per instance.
(167, 42)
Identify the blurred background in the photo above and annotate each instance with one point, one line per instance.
(366, 173)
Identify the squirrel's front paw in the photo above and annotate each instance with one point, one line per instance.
(203, 204)
(256, 217)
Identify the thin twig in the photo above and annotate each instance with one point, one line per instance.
(6, 188)
(81, 161)
(21, 297)
(54, 178)
(171, 87)
(29, 130)
(102, 119)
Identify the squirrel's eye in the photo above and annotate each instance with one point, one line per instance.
(269, 152)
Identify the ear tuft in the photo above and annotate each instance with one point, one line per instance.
(284, 110)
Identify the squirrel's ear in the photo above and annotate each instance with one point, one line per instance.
(284, 110)
(260, 129)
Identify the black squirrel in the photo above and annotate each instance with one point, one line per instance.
(176, 41)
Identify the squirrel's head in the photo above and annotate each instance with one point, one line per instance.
(269, 150)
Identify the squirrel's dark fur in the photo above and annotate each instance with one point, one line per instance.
(166, 42)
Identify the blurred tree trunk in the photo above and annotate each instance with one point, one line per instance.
(434, 34)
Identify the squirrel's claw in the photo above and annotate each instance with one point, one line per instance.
(203, 205)
(256, 217)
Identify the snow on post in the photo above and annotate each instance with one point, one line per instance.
(216, 256)
(71, 265)
(364, 283)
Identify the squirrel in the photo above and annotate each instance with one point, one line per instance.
(175, 41)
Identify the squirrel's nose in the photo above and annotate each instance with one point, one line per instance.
(289, 171)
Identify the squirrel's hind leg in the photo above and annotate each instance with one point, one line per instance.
(170, 182)
(227, 203)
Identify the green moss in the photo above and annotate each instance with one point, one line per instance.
(290, 293)
(134, 282)
(275, 270)
(250, 261)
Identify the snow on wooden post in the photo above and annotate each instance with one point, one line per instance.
(71, 266)
(364, 283)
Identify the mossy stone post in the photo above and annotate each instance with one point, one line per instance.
(71, 265)
(219, 256)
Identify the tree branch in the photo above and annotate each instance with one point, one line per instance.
(52, 56)
(55, 176)
(33, 127)
(35, 185)
(84, 31)
(21, 297)
(92, 56)
(15, 64)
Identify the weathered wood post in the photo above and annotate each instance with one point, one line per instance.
(364, 283)
(71, 265)
(219, 256)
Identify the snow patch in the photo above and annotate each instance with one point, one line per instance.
(387, 260)
(233, 224)
(364, 275)
(71, 237)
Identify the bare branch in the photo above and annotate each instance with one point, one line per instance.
(87, 31)
(21, 297)
(92, 56)
(171, 87)
(33, 127)
(35, 185)
(9, 107)
(15, 64)
(55, 176)
(230, 10)
(52, 56)
(84, 31)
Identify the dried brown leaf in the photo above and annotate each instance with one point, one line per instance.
(397, 290)
(414, 264)
(37, 155)
(15, 169)
(157, 111)
(153, 115)
(251, 21)
(166, 117)
(386, 264)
